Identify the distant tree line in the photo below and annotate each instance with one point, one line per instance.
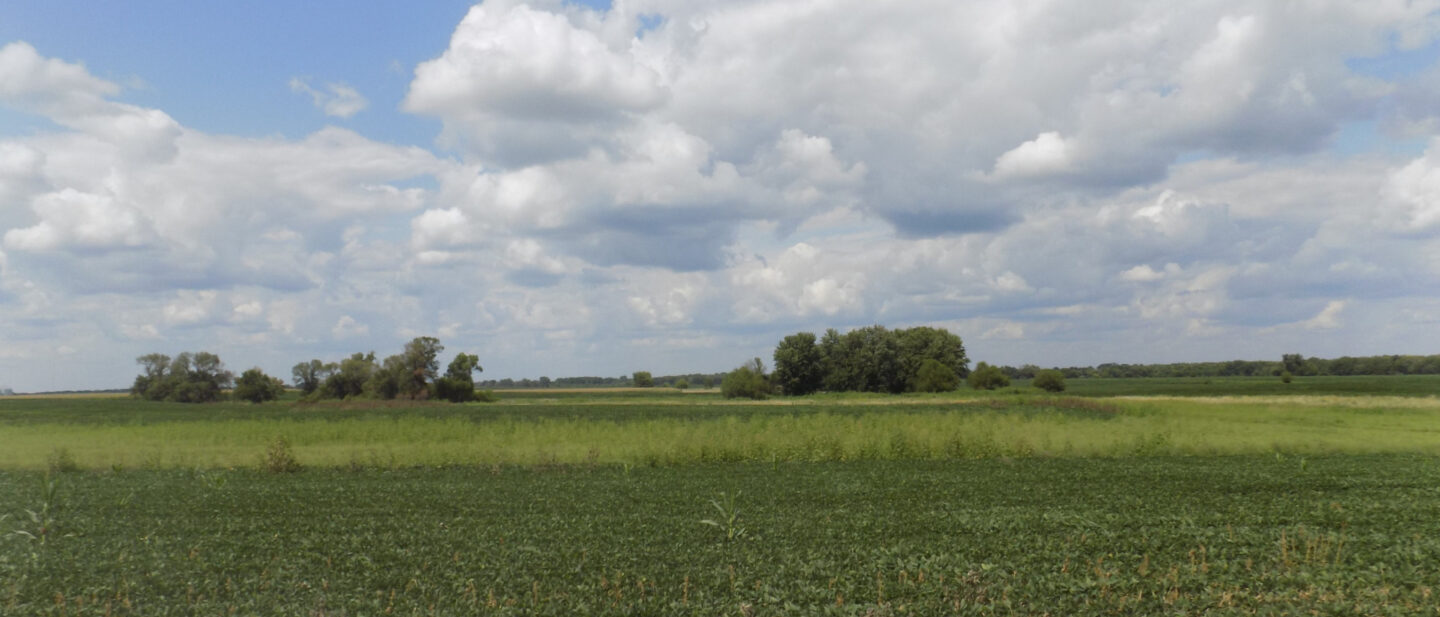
(412, 374)
(1295, 364)
(868, 359)
(690, 380)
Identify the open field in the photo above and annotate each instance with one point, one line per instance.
(592, 502)
(1158, 535)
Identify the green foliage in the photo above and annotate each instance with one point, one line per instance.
(1049, 380)
(681, 384)
(986, 377)
(188, 378)
(349, 378)
(799, 365)
(458, 384)
(729, 520)
(874, 359)
(310, 375)
(257, 387)
(1287, 377)
(279, 458)
(642, 379)
(748, 381)
(935, 376)
(1351, 535)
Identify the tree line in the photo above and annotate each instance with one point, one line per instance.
(412, 374)
(869, 359)
(1295, 364)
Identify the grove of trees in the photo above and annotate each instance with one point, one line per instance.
(870, 359)
(187, 378)
(412, 374)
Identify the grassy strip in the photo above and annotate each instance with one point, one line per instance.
(668, 435)
(1248, 535)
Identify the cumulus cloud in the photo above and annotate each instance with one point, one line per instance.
(337, 99)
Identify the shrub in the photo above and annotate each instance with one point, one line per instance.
(934, 376)
(748, 381)
(1287, 377)
(1050, 380)
(279, 458)
(681, 384)
(642, 379)
(986, 377)
(257, 387)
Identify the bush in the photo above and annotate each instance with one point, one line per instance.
(681, 384)
(934, 376)
(986, 377)
(642, 379)
(279, 458)
(1287, 377)
(257, 387)
(1050, 380)
(748, 381)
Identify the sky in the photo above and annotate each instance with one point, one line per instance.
(597, 188)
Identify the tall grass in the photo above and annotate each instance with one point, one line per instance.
(1041, 427)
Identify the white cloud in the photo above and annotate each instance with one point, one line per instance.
(1046, 154)
(338, 99)
(348, 327)
(1328, 318)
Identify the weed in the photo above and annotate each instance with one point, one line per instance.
(61, 461)
(729, 521)
(279, 458)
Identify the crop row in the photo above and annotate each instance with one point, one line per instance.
(1265, 534)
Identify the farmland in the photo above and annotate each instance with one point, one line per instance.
(597, 502)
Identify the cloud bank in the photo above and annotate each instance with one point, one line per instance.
(669, 187)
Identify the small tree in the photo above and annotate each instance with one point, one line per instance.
(986, 377)
(458, 384)
(257, 387)
(309, 375)
(681, 384)
(799, 367)
(748, 381)
(642, 379)
(1286, 377)
(1050, 380)
(935, 376)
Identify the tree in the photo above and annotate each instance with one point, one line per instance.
(421, 366)
(935, 376)
(681, 384)
(458, 384)
(1050, 380)
(642, 379)
(799, 365)
(1293, 362)
(862, 360)
(349, 377)
(257, 387)
(188, 378)
(916, 345)
(986, 377)
(748, 381)
(309, 375)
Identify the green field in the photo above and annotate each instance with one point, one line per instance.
(563, 502)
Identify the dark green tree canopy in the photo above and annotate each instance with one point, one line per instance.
(257, 387)
(187, 378)
(799, 367)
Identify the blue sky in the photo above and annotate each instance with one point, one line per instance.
(572, 189)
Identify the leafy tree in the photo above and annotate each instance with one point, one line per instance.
(642, 379)
(748, 381)
(349, 377)
(188, 378)
(1293, 362)
(986, 377)
(1286, 377)
(1050, 380)
(799, 365)
(421, 367)
(458, 384)
(544, 381)
(385, 382)
(681, 384)
(862, 360)
(257, 387)
(935, 376)
(310, 375)
(916, 345)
